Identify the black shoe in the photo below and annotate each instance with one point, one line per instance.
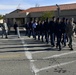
(69, 45)
(6, 37)
(38, 39)
(56, 46)
(71, 49)
(47, 41)
(18, 37)
(59, 49)
(64, 45)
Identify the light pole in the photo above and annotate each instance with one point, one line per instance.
(58, 10)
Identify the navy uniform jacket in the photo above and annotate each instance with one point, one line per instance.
(52, 26)
(15, 26)
(38, 27)
(46, 26)
(58, 28)
(42, 28)
(63, 27)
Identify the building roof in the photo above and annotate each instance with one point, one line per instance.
(17, 10)
(51, 8)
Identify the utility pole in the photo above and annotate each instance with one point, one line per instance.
(58, 10)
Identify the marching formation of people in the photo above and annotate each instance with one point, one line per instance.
(57, 31)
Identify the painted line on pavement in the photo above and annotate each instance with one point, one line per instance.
(58, 55)
(32, 65)
(29, 56)
(74, 45)
(38, 52)
(57, 65)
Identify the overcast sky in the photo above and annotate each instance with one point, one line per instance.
(6, 6)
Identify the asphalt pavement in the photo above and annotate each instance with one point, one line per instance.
(26, 56)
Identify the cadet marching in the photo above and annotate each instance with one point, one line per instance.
(57, 31)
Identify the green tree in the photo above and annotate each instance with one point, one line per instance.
(47, 14)
(1, 16)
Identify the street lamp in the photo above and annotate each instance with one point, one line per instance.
(58, 10)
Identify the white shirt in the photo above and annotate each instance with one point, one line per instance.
(34, 25)
(5, 26)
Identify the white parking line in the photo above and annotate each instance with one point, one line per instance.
(57, 65)
(58, 55)
(38, 52)
(74, 45)
(32, 65)
(29, 56)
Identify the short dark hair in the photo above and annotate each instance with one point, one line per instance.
(63, 18)
(53, 17)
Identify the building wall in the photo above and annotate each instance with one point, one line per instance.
(16, 16)
(63, 13)
(68, 14)
(1, 21)
(22, 17)
(36, 14)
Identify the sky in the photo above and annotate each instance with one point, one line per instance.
(7, 6)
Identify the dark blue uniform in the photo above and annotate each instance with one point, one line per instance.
(46, 28)
(63, 25)
(58, 32)
(38, 28)
(52, 32)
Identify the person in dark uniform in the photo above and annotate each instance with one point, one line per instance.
(34, 29)
(63, 24)
(27, 26)
(42, 31)
(58, 32)
(52, 31)
(31, 29)
(38, 28)
(15, 27)
(46, 28)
